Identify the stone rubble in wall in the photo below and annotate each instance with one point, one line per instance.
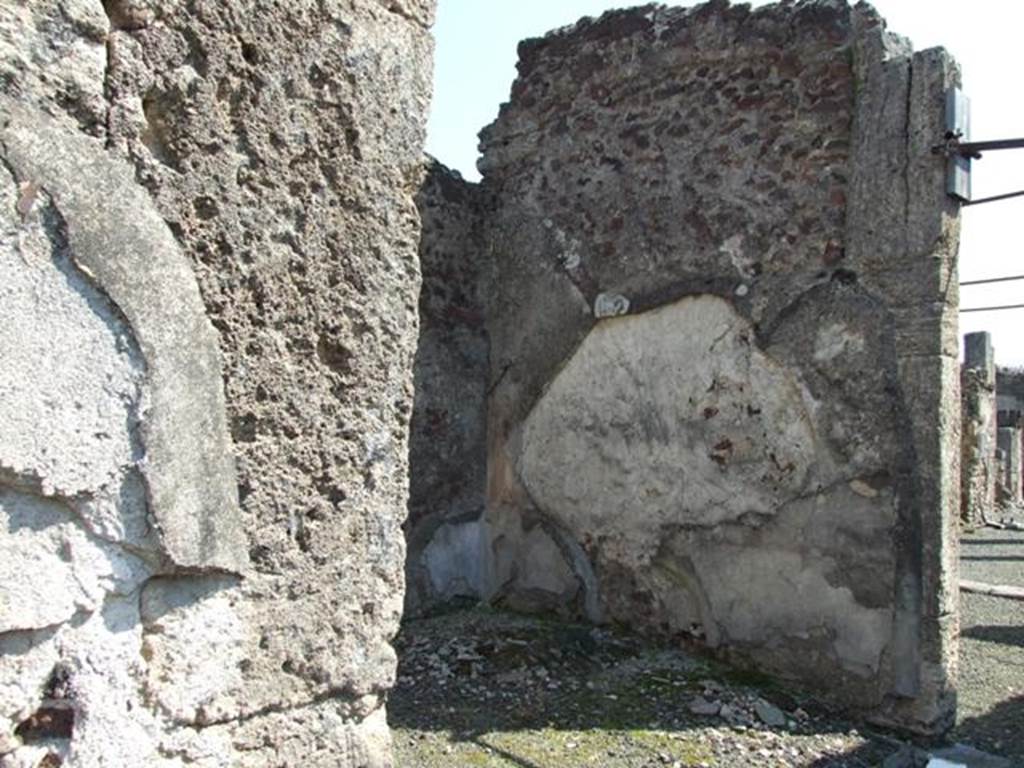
(717, 355)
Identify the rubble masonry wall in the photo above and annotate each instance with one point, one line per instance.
(723, 398)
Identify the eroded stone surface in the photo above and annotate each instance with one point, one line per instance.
(53, 56)
(977, 384)
(1009, 440)
(265, 215)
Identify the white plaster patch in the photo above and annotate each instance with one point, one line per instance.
(71, 371)
(454, 560)
(529, 557)
(193, 682)
(57, 567)
(542, 565)
(835, 340)
(26, 659)
(115, 725)
(761, 596)
(98, 647)
(668, 417)
(733, 249)
(570, 256)
(571, 259)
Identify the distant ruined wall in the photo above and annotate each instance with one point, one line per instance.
(978, 431)
(1010, 421)
(1010, 441)
(724, 388)
(1010, 396)
(208, 319)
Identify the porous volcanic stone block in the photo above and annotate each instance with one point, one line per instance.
(209, 319)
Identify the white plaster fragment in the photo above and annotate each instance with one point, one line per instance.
(610, 305)
(454, 560)
(193, 682)
(863, 489)
(72, 373)
(836, 340)
(56, 565)
(733, 249)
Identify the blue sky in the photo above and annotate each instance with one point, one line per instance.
(475, 64)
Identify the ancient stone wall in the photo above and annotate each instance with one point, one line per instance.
(1011, 456)
(209, 245)
(724, 380)
(1010, 396)
(448, 439)
(978, 430)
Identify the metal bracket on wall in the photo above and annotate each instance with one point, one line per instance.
(960, 150)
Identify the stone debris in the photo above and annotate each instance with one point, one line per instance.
(770, 714)
(532, 692)
(701, 706)
(957, 756)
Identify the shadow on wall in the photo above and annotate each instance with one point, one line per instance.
(447, 434)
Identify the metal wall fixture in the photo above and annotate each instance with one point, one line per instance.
(959, 150)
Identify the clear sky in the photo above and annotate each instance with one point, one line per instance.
(475, 66)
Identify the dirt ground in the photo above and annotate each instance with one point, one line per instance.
(991, 687)
(479, 688)
(494, 690)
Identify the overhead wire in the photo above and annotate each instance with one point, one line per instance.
(992, 280)
(993, 309)
(987, 280)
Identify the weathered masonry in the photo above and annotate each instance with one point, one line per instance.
(715, 263)
(687, 361)
(1011, 457)
(1010, 395)
(1010, 420)
(978, 430)
(207, 324)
